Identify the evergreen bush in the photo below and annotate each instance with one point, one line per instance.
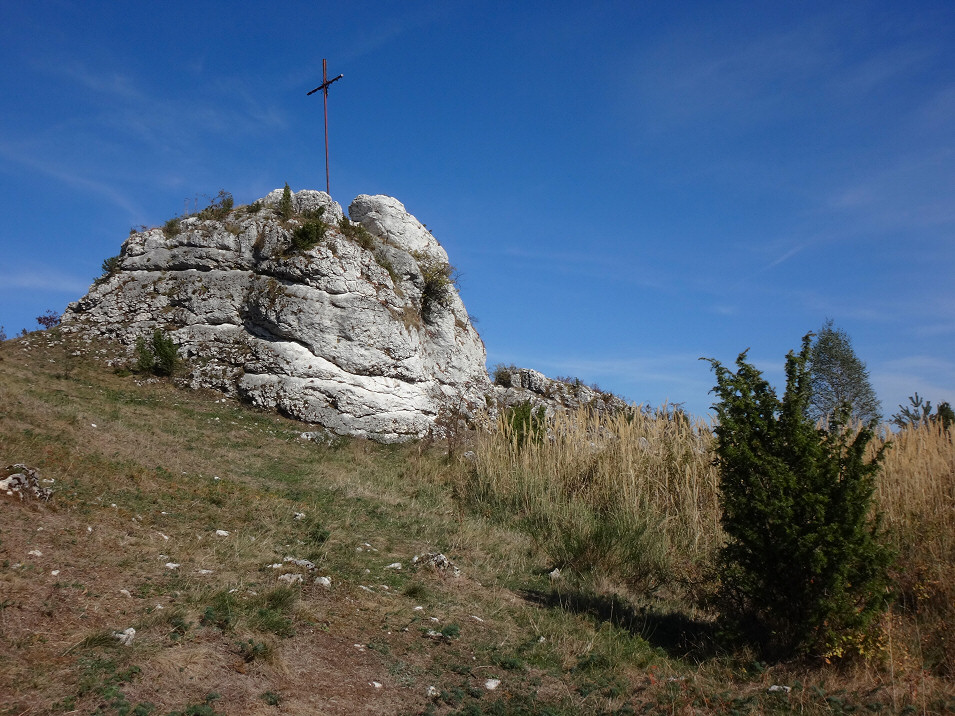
(526, 424)
(109, 267)
(159, 356)
(358, 233)
(285, 205)
(803, 569)
(919, 412)
(308, 235)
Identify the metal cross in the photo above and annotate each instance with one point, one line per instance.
(324, 88)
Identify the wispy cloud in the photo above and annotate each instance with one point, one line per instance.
(69, 177)
(46, 280)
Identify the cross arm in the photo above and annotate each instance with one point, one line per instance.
(324, 85)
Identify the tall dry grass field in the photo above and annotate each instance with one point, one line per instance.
(916, 495)
(635, 498)
(632, 496)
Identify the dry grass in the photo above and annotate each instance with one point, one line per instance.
(633, 496)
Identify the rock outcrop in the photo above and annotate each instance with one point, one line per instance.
(513, 385)
(356, 326)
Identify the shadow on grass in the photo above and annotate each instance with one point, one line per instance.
(679, 635)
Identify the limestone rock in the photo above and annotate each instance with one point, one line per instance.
(386, 217)
(516, 385)
(19, 480)
(341, 335)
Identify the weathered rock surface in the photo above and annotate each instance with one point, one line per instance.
(514, 385)
(352, 334)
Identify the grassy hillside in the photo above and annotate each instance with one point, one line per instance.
(189, 518)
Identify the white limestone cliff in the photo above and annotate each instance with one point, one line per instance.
(354, 334)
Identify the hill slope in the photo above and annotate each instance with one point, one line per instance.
(206, 526)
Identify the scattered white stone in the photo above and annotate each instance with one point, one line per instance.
(492, 684)
(367, 589)
(432, 692)
(541, 639)
(291, 579)
(55, 572)
(477, 619)
(419, 609)
(360, 647)
(376, 684)
(162, 535)
(324, 582)
(394, 565)
(172, 565)
(299, 516)
(125, 637)
(204, 571)
(126, 593)
(437, 561)
(112, 504)
(300, 563)
(277, 565)
(89, 529)
(92, 425)
(35, 553)
(778, 689)
(216, 477)
(222, 533)
(555, 575)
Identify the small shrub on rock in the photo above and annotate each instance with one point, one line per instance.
(358, 233)
(171, 228)
(219, 207)
(383, 261)
(109, 267)
(308, 235)
(439, 279)
(159, 356)
(285, 204)
(502, 375)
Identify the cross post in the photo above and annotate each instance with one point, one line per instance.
(324, 88)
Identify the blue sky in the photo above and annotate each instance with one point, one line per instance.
(624, 186)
